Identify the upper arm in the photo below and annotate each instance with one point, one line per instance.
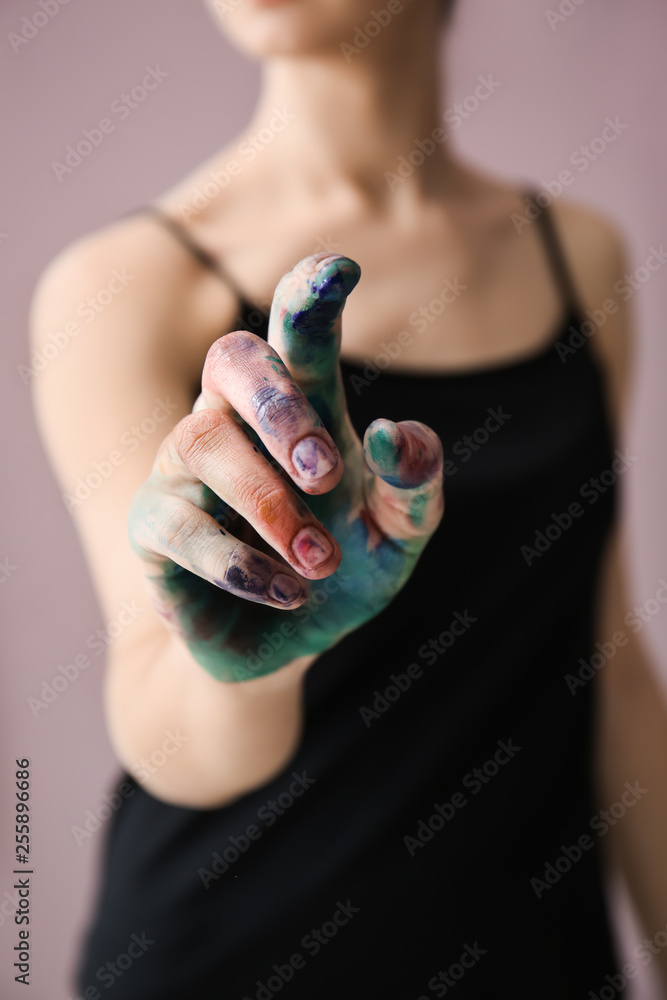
(598, 259)
(131, 348)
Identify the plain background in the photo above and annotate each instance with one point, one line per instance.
(558, 84)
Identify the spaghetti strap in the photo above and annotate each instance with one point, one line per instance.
(545, 223)
(556, 255)
(201, 254)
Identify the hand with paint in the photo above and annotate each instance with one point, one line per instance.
(265, 489)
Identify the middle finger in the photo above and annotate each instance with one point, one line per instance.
(213, 448)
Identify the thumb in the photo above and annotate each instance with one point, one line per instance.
(404, 495)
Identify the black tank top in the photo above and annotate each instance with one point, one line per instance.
(435, 831)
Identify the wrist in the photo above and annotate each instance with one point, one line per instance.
(274, 680)
(232, 669)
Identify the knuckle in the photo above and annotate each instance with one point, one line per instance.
(175, 526)
(195, 435)
(232, 345)
(266, 498)
(275, 407)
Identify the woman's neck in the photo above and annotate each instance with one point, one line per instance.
(348, 123)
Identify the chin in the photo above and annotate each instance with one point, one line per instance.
(264, 28)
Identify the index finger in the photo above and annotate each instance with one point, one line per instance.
(305, 329)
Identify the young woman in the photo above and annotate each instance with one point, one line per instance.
(358, 736)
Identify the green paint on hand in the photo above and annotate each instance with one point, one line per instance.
(384, 451)
(417, 509)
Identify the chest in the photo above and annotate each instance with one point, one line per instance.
(447, 299)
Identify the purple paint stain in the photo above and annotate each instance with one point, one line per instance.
(313, 458)
(284, 588)
(276, 411)
(238, 579)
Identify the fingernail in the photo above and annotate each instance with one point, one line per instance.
(284, 588)
(313, 458)
(326, 260)
(311, 548)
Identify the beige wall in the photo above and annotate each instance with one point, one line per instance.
(557, 87)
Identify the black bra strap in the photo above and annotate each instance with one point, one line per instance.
(556, 255)
(544, 221)
(203, 256)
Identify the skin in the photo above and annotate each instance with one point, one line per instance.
(319, 181)
(366, 539)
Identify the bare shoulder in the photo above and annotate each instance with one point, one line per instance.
(594, 245)
(597, 255)
(121, 321)
(120, 324)
(135, 276)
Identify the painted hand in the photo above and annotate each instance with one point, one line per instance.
(232, 551)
